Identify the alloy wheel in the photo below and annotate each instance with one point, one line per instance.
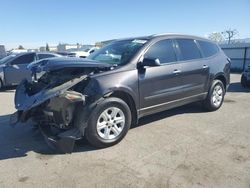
(217, 95)
(110, 123)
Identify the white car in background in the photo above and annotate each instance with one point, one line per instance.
(83, 54)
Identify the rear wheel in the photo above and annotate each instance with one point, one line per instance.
(109, 123)
(1, 84)
(243, 80)
(215, 96)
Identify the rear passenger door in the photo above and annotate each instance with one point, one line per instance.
(195, 71)
(161, 84)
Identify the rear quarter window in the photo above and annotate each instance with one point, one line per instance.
(188, 49)
(208, 48)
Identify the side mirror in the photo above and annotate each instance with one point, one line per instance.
(149, 62)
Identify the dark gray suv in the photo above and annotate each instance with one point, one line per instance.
(100, 97)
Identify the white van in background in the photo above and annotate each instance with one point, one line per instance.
(18, 51)
(83, 54)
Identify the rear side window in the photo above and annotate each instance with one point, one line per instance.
(24, 59)
(163, 50)
(43, 56)
(208, 48)
(188, 49)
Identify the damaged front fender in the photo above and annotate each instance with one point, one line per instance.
(24, 102)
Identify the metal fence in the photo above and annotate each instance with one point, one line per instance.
(239, 55)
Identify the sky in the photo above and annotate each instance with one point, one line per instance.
(33, 23)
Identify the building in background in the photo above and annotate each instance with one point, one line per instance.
(68, 47)
(51, 49)
(103, 43)
(239, 53)
(42, 49)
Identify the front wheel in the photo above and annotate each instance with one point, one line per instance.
(109, 122)
(215, 96)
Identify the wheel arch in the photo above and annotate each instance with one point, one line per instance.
(126, 97)
(222, 78)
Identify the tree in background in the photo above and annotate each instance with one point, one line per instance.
(216, 36)
(47, 47)
(20, 47)
(229, 34)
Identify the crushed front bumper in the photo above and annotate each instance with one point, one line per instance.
(63, 141)
(57, 139)
(51, 110)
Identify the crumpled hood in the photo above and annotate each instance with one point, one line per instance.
(56, 63)
(61, 74)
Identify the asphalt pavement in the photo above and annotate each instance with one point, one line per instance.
(183, 147)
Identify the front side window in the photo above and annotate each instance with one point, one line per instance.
(24, 59)
(208, 48)
(188, 49)
(118, 52)
(162, 50)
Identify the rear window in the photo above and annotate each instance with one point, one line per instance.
(188, 49)
(208, 48)
(43, 56)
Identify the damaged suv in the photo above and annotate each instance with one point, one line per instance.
(102, 96)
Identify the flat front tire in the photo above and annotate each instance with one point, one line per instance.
(109, 122)
(215, 96)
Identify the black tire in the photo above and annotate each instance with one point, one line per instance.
(1, 85)
(208, 102)
(243, 81)
(91, 132)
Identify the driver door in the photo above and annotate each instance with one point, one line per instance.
(160, 85)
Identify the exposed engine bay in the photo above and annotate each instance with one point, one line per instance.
(51, 101)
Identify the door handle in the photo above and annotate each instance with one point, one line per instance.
(176, 71)
(205, 67)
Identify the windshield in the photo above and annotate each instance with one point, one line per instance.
(119, 52)
(6, 59)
